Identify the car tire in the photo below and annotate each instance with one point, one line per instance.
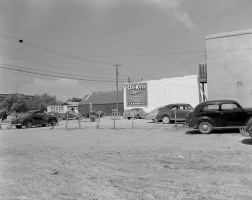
(137, 117)
(28, 124)
(18, 127)
(129, 118)
(205, 127)
(166, 120)
(53, 122)
(43, 125)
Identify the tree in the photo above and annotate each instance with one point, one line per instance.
(15, 103)
(18, 103)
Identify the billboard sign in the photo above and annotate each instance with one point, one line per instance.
(202, 73)
(136, 94)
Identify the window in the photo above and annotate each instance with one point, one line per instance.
(188, 107)
(181, 107)
(229, 106)
(211, 107)
(174, 107)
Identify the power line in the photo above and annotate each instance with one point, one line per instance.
(14, 50)
(56, 76)
(54, 52)
(56, 72)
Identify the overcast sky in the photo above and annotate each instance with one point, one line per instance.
(69, 47)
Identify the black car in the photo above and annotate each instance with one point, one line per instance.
(34, 118)
(218, 114)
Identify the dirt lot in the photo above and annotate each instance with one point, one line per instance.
(149, 161)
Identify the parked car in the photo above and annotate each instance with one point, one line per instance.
(95, 113)
(135, 112)
(68, 115)
(218, 114)
(152, 115)
(34, 118)
(167, 114)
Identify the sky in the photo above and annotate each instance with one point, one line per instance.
(70, 48)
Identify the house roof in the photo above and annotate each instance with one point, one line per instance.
(71, 103)
(102, 98)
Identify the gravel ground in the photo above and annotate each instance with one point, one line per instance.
(135, 160)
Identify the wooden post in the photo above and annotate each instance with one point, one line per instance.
(175, 112)
(98, 120)
(79, 120)
(66, 120)
(133, 117)
(114, 118)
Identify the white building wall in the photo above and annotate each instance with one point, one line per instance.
(170, 90)
(59, 109)
(229, 66)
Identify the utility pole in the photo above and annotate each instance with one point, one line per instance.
(117, 65)
(128, 79)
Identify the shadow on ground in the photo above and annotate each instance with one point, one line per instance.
(247, 141)
(217, 131)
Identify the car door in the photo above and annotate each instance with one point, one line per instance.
(173, 110)
(232, 115)
(181, 112)
(210, 112)
(39, 118)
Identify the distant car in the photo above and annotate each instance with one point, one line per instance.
(34, 118)
(167, 114)
(68, 115)
(95, 113)
(135, 112)
(218, 114)
(152, 115)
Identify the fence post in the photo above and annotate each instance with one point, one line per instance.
(133, 117)
(175, 112)
(66, 120)
(114, 118)
(79, 120)
(98, 120)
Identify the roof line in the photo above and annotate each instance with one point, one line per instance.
(229, 34)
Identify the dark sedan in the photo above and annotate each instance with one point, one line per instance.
(218, 114)
(34, 118)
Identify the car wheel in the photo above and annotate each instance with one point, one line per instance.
(43, 125)
(74, 118)
(18, 127)
(137, 117)
(205, 127)
(52, 122)
(128, 117)
(166, 120)
(28, 124)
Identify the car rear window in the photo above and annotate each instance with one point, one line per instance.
(211, 107)
(229, 106)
